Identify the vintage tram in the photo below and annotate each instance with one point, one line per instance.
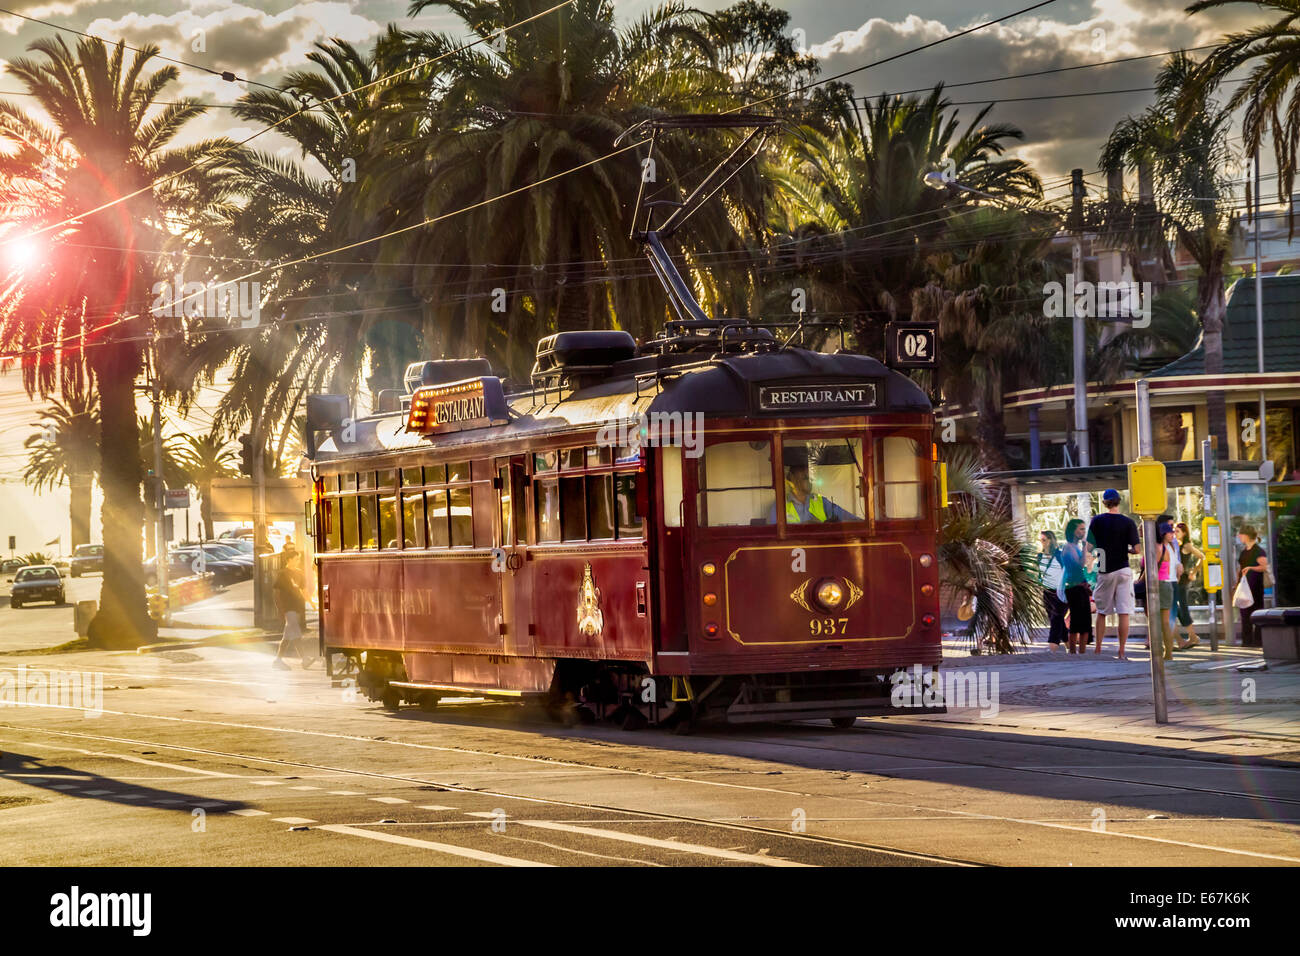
(716, 522)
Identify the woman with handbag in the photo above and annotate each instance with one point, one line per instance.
(1076, 559)
(1168, 569)
(1191, 557)
(1252, 566)
(1050, 572)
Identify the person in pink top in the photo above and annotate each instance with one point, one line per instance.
(1168, 571)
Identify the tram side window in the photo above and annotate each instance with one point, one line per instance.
(547, 507)
(413, 535)
(460, 502)
(898, 477)
(348, 507)
(629, 522)
(368, 523)
(573, 509)
(600, 506)
(333, 524)
(736, 484)
(436, 503)
(672, 474)
(388, 509)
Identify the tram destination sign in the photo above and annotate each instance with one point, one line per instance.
(818, 397)
(457, 406)
(912, 345)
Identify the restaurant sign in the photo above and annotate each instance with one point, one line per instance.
(457, 406)
(839, 397)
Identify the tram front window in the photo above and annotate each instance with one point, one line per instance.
(823, 480)
(736, 485)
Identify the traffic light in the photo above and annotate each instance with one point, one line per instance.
(246, 455)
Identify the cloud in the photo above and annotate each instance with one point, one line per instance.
(40, 10)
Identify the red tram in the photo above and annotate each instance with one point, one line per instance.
(627, 536)
(714, 523)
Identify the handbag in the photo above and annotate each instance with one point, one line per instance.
(1242, 597)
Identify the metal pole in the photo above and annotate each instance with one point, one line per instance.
(1259, 321)
(1080, 366)
(160, 494)
(1207, 507)
(1155, 620)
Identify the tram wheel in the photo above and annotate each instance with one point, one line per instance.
(391, 699)
(683, 720)
(428, 702)
(843, 723)
(634, 719)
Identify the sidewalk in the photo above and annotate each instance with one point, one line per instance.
(1225, 699)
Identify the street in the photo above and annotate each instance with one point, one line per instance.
(205, 755)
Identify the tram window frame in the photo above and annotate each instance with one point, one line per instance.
(863, 497)
(755, 524)
(880, 487)
(562, 496)
(373, 522)
(348, 483)
(605, 496)
(389, 537)
(415, 531)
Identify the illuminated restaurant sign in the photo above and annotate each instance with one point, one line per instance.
(840, 397)
(457, 406)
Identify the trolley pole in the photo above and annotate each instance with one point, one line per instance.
(1155, 621)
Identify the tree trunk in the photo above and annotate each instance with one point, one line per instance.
(991, 434)
(205, 510)
(1213, 309)
(123, 617)
(79, 508)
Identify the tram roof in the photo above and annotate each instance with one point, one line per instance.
(720, 387)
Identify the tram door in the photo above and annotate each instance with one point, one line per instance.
(511, 537)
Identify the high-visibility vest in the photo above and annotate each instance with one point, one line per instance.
(816, 509)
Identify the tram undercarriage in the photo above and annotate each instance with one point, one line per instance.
(625, 693)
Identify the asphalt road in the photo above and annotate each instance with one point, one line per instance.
(209, 756)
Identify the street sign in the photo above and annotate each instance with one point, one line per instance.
(1211, 534)
(1146, 487)
(176, 498)
(1213, 569)
(912, 344)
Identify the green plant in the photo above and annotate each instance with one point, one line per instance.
(1287, 570)
(36, 557)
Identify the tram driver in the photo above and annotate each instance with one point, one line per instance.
(803, 505)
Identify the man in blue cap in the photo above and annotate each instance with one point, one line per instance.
(1114, 536)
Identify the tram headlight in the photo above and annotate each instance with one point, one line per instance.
(925, 560)
(829, 594)
(710, 599)
(708, 569)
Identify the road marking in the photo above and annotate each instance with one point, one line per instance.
(267, 783)
(487, 814)
(293, 821)
(345, 793)
(167, 802)
(65, 786)
(131, 796)
(97, 793)
(696, 848)
(389, 800)
(210, 804)
(464, 851)
(304, 788)
(250, 813)
(434, 806)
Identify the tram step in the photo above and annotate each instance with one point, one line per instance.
(818, 709)
(466, 689)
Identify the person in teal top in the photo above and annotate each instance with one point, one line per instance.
(1077, 561)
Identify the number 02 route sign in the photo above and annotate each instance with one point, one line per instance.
(912, 344)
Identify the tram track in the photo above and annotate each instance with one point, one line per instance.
(658, 816)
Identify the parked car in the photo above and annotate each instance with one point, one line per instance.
(181, 564)
(63, 563)
(87, 558)
(223, 552)
(10, 565)
(274, 536)
(39, 582)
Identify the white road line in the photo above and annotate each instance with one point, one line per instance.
(167, 802)
(463, 851)
(267, 783)
(389, 800)
(486, 814)
(65, 786)
(434, 806)
(249, 812)
(96, 793)
(304, 787)
(132, 796)
(134, 759)
(208, 805)
(293, 821)
(345, 793)
(696, 848)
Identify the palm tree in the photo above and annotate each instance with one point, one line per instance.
(1269, 94)
(66, 450)
(206, 458)
(982, 561)
(985, 294)
(1188, 157)
(85, 313)
(551, 96)
(1173, 332)
(857, 211)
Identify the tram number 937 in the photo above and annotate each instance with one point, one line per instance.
(828, 626)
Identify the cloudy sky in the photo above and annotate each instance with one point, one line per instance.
(261, 41)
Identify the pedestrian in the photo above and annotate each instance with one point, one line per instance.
(1252, 563)
(1050, 572)
(1114, 536)
(292, 604)
(1191, 557)
(1076, 559)
(1168, 568)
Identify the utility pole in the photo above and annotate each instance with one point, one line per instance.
(160, 493)
(1151, 558)
(1080, 342)
(259, 480)
(1259, 321)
